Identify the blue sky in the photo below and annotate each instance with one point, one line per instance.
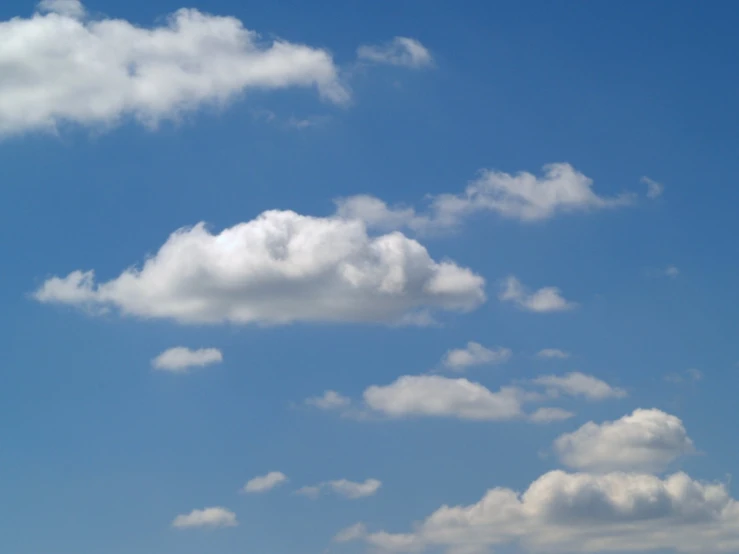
(113, 140)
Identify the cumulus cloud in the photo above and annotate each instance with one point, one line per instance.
(475, 354)
(279, 268)
(654, 189)
(552, 354)
(60, 66)
(401, 51)
(544, 300)
(522, 196)
(265, 483)
(672, 272)
(433, 395)
(576, 512)
(330, 400)
(208, 517)
(644, 441)
(180, 359)
(579, 384)
(343, 487)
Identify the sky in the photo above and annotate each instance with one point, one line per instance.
(360, 277)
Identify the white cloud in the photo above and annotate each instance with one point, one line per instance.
(688, 376)
(544, 300)
(436, 396)
(343, 487)
(401, 51)
(672, 271)
(654, 189)
(579, 384)
(552, 353)
(208, 517)
(330, 400)
(523, 196)
(279, 268)
(645, 441)
(565, 513)
(351, 533)
(475, 354)
(179, 359)
(61, 67)
(550, 415)
(265, 483)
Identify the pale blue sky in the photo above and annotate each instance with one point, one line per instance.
(100, 452)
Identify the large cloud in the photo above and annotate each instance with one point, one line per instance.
(564, 513)
(279, 268)
(60, 66)
(646, 440)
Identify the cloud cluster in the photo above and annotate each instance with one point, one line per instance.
(443, 397)
(618, 506)
(59, 66)
(279, 268)
(521, 196)
(180, 359)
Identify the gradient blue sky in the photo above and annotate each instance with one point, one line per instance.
(99, 452)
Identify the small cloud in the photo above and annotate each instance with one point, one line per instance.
(547, 299)
(265, 483)
(672, 272)
(654, 189)
(352, 533)
(343, 487)
(579, 384)
(475, 354)
(688, 376)
(70, 8)
(401, 51)
(180, 359)
(330, 400)
(552, 354)
(208, 517)
(550, 415)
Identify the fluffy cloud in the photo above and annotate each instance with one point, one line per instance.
(552, 353)
(646, 440)
(343, 487)
(279, 268)
(475, 354)
(179, 359)
(401, 51)
(575, 512)
(433, 395)
(544, 300)
(351, 533)
(208, 517)
(523, 197)
(265, 483)
(672, 272)
(330, 400)
(654, 189)
(59, 67)
(579, 384)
